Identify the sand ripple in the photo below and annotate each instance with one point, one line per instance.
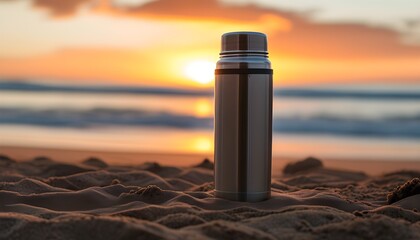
(45, 199)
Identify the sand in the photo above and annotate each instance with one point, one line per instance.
(44, 198)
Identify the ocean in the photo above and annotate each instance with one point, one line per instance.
(354, 122)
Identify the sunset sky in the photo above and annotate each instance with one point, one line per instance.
(164, 42)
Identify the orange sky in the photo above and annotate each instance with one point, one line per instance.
(153, 42)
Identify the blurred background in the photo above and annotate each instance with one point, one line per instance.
(137, 75)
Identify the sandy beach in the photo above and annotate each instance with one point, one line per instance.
(139, 119)
(45, 197)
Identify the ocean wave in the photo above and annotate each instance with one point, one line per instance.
(351, 94)
(387, 126)
(99, 117)
(24, 86)
(339, 93)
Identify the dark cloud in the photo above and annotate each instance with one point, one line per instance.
(60, 8)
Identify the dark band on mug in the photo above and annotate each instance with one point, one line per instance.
(243, 71)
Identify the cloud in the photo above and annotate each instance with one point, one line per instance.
(339, 40)
(202, 9)
(291, 34)
(412, 23)
(303, 38)
(59, 8)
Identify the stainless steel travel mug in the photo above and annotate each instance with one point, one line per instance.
(243, 118)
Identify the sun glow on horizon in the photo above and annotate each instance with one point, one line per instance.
(202, 144)
(200, 71)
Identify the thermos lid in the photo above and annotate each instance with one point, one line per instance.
(244, 42)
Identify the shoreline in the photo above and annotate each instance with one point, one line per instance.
(371, 167)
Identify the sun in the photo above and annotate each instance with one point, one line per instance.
(200, 71)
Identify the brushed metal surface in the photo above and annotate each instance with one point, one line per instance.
(243, 42)
(243, 129)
